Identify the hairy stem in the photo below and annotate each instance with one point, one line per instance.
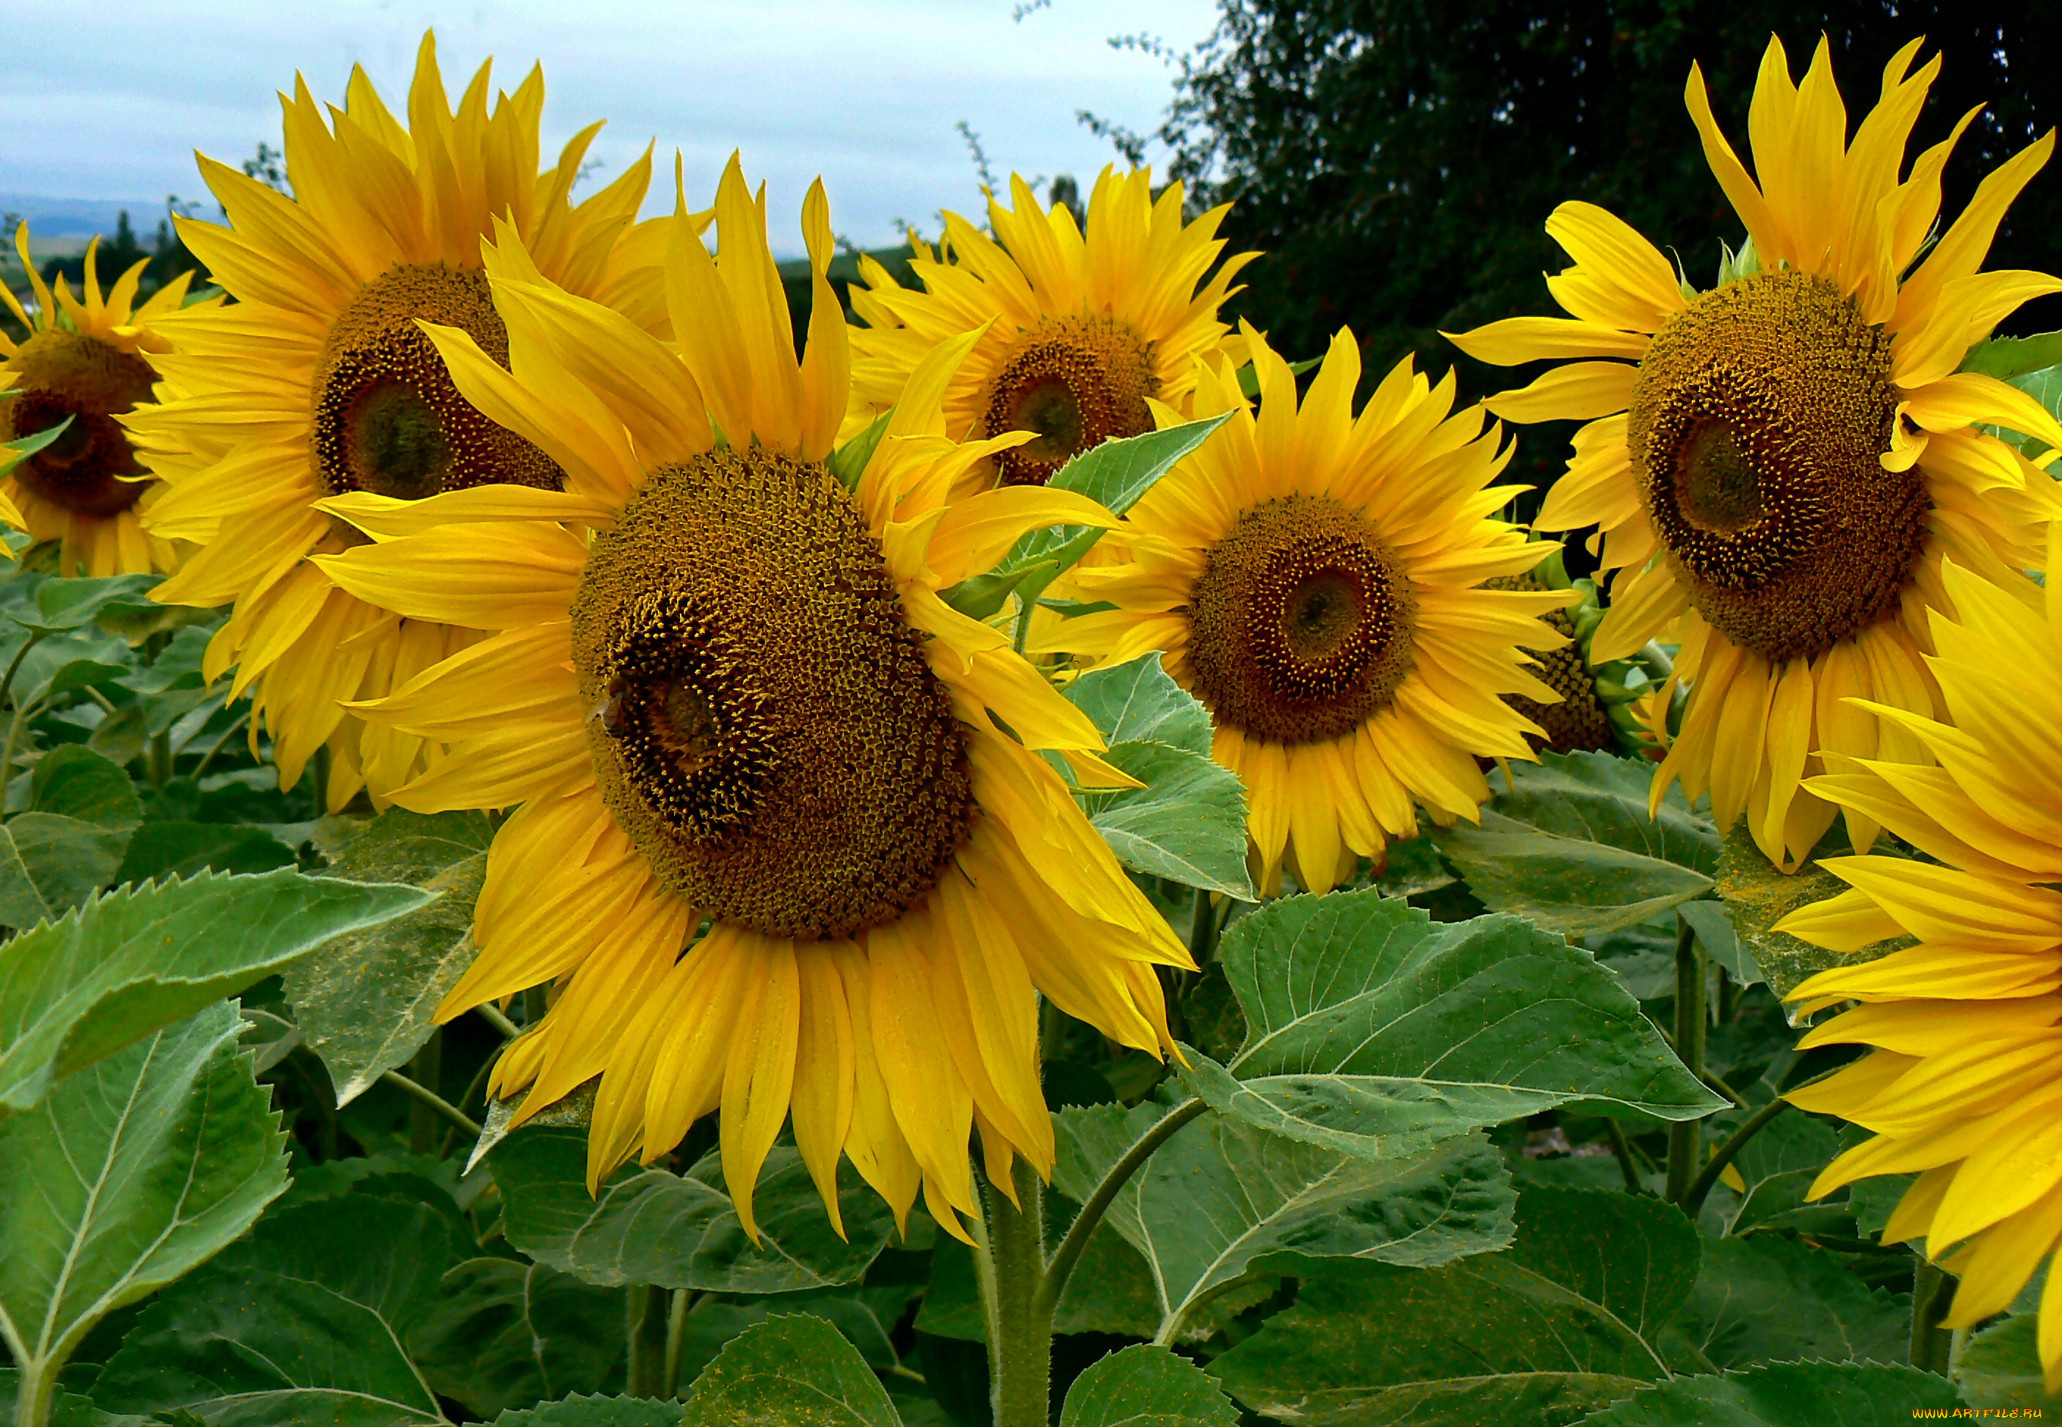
(1932, 1345)
(1622, 1148)
(676, 1332)
(1686, 1137)
(37, 1390)
(425, 1096)
(1202, 929)
(1700, 1187)
(1097, 1204)
(646, 1328)
(491, 1014)
(1019, 1317)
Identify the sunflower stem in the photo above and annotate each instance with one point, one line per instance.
(676, 1333)
(425, 1096)
(1700, 1187)
(646, 1314)
(1622, 1148)
(1022, 636)
(1932, 1345)
(426, 1070)
(1202, 929)
(36, 1391)
(1686, 1137)
(1019, 1315)
(1098, 1202)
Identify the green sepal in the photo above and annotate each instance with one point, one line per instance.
(848, 463)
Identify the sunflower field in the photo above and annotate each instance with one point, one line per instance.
(586, 846)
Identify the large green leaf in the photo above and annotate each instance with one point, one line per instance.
(67, 1409)
(2009, 357)
(1767, 1297)
(130, 1173)
(1569, 1318)
(1786, 1395)
(163, 850)
(76, 782)
(1188, 824)
(366, 1001)
(63, 605)
(1568, 844)
(504, 1333)
(1146, 1386)
(1220, 1197)
(595, 1412)
(302, 1322)
(139, 959)
(50, 863)
(793, 1370)
(1778, 1166)
(679, 1231)
(1372, 1029)
(2001, 1366)
(1757, 896)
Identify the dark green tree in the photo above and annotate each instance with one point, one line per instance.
(1396, 159)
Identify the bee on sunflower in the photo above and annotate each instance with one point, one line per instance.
(89, 358)
(1081, 328)
(1316, 579)
(773, 847)
(1783, 462)
(1961, 1085)
(317, 383)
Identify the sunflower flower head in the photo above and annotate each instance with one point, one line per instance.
(773, 851)
(319, 382)
(87, 358)
(1783, 462)
(1316, 578)
(1081, 327)
(1963, 1084)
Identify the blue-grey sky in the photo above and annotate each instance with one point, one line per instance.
(107, 99)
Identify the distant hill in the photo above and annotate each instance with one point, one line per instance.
(79, 217)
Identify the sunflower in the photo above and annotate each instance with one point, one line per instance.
(1964, 1084)
(89, 358)
(1314, 578)
(1782, 462)
(1077, 332)
(317, 383)
(739, 705)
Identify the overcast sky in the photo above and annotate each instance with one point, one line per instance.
(107, 99)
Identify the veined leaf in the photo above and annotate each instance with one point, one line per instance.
(1146, 1386)
(1567, 1319)
(793, 1370)
(138, 959)
(366, 1001)
(1372, 1030)
(1140, 701)
(1785, 1395)
(502, 1334)
(678, 1231)
(2001, 1366)
(1568, 844)
(127, 1175)
(595, 1412)
(1766, 1297)
(1220, 1197)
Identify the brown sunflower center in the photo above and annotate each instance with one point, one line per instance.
(1756, 431)
(1300, 624)
(68, 374)
(1578, 722)
(1077, 382)
(766, 727)
(385, 415)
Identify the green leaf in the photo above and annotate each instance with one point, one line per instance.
(793, 1370)
(1139, 701)
(848, 463)
(72, 604)
(1220, 1197)
(1715, 933)
(136, 960)
(50, 863)
(1785, 1395)
(1371, 1029)
(503, 1334)
(78, 783)
(164, 850)
(367, 1001)
(1567, 1319)
(128, 1175)
(67, 1409)
(2009, 357)
(18, 449)
(1146, 1386)
(679, 1231)
(1114, 475)
(1187, 824)
(2001, 1367)
(1757, 896)
(302, 1322)
(595, 1412)
(1569, 845)
(1768, 1297)
(1249, 378)
(1778, 1166)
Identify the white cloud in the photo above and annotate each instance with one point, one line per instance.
(110, 103)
